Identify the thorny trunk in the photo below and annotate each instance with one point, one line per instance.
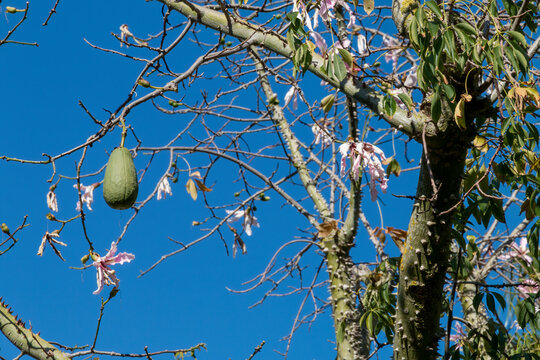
(425, 257)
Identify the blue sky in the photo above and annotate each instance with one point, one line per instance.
(182, 302)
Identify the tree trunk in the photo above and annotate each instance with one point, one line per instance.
(425, 257)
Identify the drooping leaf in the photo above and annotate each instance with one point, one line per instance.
(191, 189)
(459, 114)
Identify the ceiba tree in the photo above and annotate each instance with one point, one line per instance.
(459, 80)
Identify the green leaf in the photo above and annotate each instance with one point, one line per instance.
(467, 28)
(389, 105)
(406, 99)
(490, 301)
(436, 104)
(449, 91)
(518, 36)
(346, 56)
(340, 71)
(369, 322)
(523, 60)
(497, 209)
(413, 32)
(500, 300)
(290, 40)
(477, 300)
(432, 5)
(498, 66)
(450, 44)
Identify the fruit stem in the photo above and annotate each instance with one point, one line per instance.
(124, 132)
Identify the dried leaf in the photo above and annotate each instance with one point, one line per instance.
(369, 5)
(398, 236)
(191, 189)
(466, 97)
(327, 228)
(196, 174)
(201, 186)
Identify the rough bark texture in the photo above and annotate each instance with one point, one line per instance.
(424, 260)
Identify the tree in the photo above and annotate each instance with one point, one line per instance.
(457, 89)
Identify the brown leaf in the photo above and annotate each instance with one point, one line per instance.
(327, 228)
(191, 189)
(201, 186)
(398, 236)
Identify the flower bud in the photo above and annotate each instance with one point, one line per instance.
(144, 83)
(327, 102)
(85, 258)
(11, 9)
(5, 228)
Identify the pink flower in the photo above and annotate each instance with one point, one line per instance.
(326, 7)
(292, 94)
(106, 275)
(164, 189)
(51, 201)
(369, 156)
(391, 55)
(321, 135)
(520, 251)
(528, 287)
(249, 219)
(319, 41)
(458, 335)
(87, 197)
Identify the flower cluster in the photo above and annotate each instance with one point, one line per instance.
(321, 135)
(106, 275)
(391, 55)
(87, 195)
(164, 189)
(367, 155)
(249, 219)
(520, 251)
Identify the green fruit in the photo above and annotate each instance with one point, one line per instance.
(120, 186)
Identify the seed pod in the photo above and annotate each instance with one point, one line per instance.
(120, 186)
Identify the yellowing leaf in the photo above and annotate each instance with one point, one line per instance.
(201, 186)
(311, 46)
(533, 94)
(191, 189)
(480, 143)
(459, 114)
(369, 5)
